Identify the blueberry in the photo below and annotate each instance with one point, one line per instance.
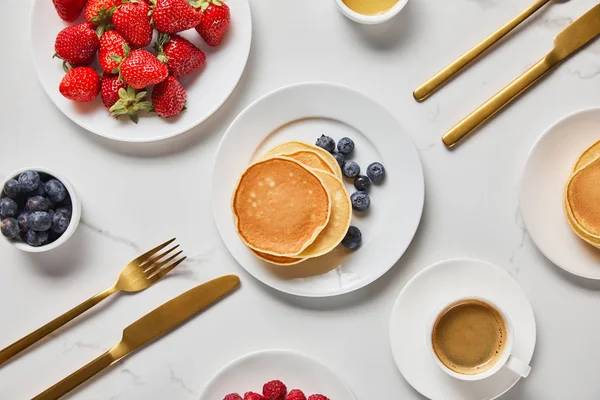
(37, 203)
(9, 227)
(40, 221)
(60, 222)
(351, 169)
(360, 201)
(38, 191)
(353, 238)
(376, 171)
(29, 180)
(23, 220)
(12, 188)
(64, 210)
(36, 238)
(339, 157)
(362, 183)
(56, 190)
(326, 143)
(8, 207)
(345, 146)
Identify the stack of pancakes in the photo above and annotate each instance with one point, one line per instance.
(292, 205)
(582, 196)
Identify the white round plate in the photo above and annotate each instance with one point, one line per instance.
(296, 371)
(425, 294)
(547, 171)
(207, 89)
(304, 112)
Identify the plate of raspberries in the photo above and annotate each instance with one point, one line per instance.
(276, 375)
(140, 70)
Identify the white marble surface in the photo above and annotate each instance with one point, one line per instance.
(136, 196)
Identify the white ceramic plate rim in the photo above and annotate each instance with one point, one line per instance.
(91, 128)
(418, 275)
(418, 173)
(259, 353)
(541, 246)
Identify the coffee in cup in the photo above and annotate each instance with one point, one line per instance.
(472, 339)
(469, 336)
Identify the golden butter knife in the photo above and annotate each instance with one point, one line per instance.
(146, 329)
(433, 84)
(571, 39)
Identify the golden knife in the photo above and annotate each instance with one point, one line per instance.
(433, 84)
(146, 329)
(571, 39)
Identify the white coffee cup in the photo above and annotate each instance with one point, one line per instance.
(506, 360)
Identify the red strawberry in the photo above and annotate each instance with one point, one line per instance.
(109, 89)
(274, 390)
(69, 10)
(215, 21)
(111, 45)
(172, 16)
(141, 68)
(127, 100)
(253, 396)
(80, 84)
(180, 55)
(317, 397)
(168, 97)
(100, 12)
(296, 395)
(233, 396)
(77, 44)
(133, 22)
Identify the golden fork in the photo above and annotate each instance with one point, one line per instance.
(136, 276)
(439, 79)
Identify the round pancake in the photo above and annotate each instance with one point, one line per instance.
(280, 206)
(339, 221)
(582, 201)
(295, 146)
(277, 260)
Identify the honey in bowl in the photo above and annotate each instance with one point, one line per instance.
(370, 7)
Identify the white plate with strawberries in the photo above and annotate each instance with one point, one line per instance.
(202, 53)
(276, 374)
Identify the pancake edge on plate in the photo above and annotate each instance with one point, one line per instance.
(314, 230)
(576, 212)
(294, 146)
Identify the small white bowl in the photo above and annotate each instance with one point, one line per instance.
(371, 19)
(75, 213)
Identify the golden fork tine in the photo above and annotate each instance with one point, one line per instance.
(159, 265)
(156, 258)
(166, 270)
(155, 250)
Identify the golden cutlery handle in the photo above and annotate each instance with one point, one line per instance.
(20, 345)
(426, 89)
(498, 101)
(78, 377)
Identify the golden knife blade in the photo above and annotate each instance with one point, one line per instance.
(572, 38)
(148, 328)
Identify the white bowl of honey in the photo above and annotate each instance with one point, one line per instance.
(370, 11)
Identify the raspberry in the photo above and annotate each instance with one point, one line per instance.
(233, 396)
(317, 397)
(296, 395)
(274, 390)
(253, 396)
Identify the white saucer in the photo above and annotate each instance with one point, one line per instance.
(548, 168)
(296, 371)
(304, 112)
(423, 296)
(207, 89)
